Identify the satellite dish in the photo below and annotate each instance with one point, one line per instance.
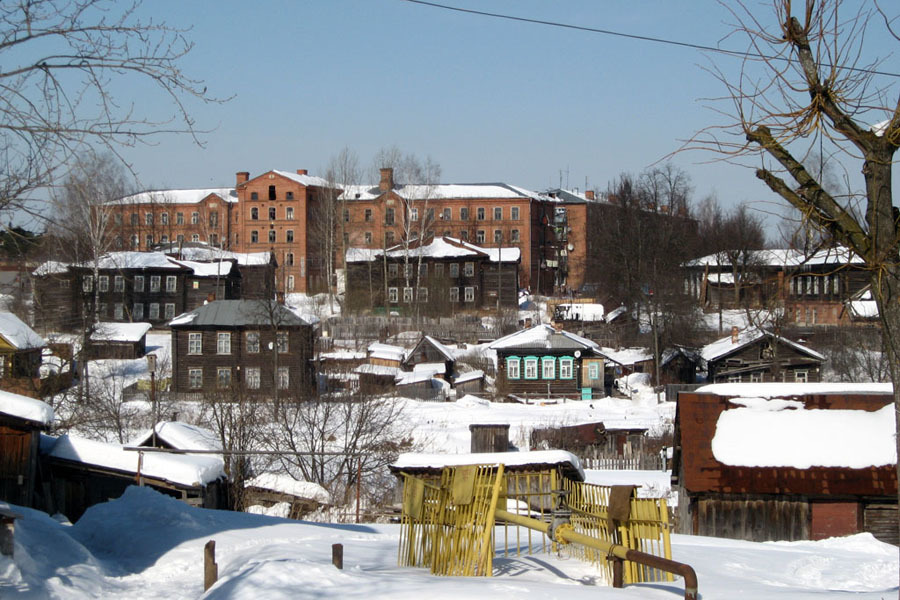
(578, 354)
(571, 247)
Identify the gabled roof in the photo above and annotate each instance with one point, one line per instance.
(439, 247)
(307, 180)
(725, 346)
(17, 334)
(386, 351)
(25, 408)
(444, 191)
(120, 332)
(543, 337)
(181, 436)
(163, 197)
(239, 313)
(787, 257)
(219, 268)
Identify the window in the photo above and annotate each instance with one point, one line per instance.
(252, 378)
(179, 218)
(566, 367)
(407, 270)
(407, 295)
(272, 192)
(346, 215)
(154, 311)
(213, 239)
(149, 240)
(139, 283)
(214, 220)
(801, 376)
(389, 216)
(254, 237)
(103, 283)
(289, 259)
(479, 213)
(514, 235)
(469, 269)
(734, 378)
(393, 269)
(254, 214)
(134, 219)
(479, 236)
(195, 378)
(513, 367)
(368, 215)
(447, 214)
(346, 239)
(117, 218)
(423, 270)
(223, 342)
(179, 239)
(155, 281)
(195, 237)
(464, 213)
(101, 310)
(470, 294)
(164, 218)
(137, 312)
(429, 215)
(271, 213)
(756, 377)
(171, 283)
(223, 377)
(289, 235)
(252, 342)
(422, 294)
(148, 219)
(135, 241)
(170, 310)
(271, 236)
(87, 283)
(413, 214)
(593, 371)
(498, 236)
(514, 213)
(289, 213)
(498, 213)
(368, 237)
(439, 269)
(389, 238)
(393, 297)
(195, 218)
(464, 235)
(454, 294)
(284, 378)
(290, 283)
(454, 270)
(531, 369)
(281, 341)
(548, 368)
(163, 239)
(254, 195)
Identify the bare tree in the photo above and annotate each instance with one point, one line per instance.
(813, 82)
(343, 177)
(61, 60)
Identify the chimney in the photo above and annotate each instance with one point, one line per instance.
(211, 297)
(279, 297)
(589, 194)
(735, 332)
(302, 172)
(387, 180)
(243, 177)
(557, 325)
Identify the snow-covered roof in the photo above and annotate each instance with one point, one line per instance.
(543, 337)
(439, 247)
(581, 311)
(468, 376)
(615, 314)
(120, 332)
(627, 356)
(412, 377)
(381, 370)
(131, 260)
(789, 390)
(181, 436)
(412, 461)
(721, 278)
(176, 468)
(307, 180)
(803, 438)
(219, 268)
(238, 313)
(23, 407)
(725, 346)
(446, 352)
(445, 191)
(386, 351)
(163, 197)
(51, 267)
(788, 257)
(285, 484)
(206, 253)
(19, 335)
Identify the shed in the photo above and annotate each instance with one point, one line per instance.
(21, 421)
(301, 497)
(118, 340)
(20, 348)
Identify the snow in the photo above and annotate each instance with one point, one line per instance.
(539, 336)
(788, 390)
(219, 268)
(285, 484)
(182, 436)
(411, 461)
(26, 408)
(307, 180)
(367, 369)
(581, 312)
(163, 197)
(468, 376)
(725, 345)
(211, 253)
(18, 334)
(782, 258)
(386, 351)
(627, 356)
(120, 332)
(176, 468)
(650, 484)
(801, 439)
(147, 545)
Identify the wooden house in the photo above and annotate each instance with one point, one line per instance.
(20, 349)
(756, 355)
(175, 435)
(118, 340)
(21, 421)
(545, 361)
(678, 365)
(298, 497)
(786, 461)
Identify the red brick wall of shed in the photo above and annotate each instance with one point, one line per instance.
(832, 519)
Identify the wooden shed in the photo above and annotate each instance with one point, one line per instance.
(118, 340)
(786, 461)
(20, 349)
(21, 421)
(756, 355)
(299, 497)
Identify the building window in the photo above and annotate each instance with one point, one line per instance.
(195, 378)
(195, 218)
(801, 376)
(514, 235)
(171, 283)
(195, 237)
(213, 239)
(134, 219)
(548, 367)
(138, 311)
(103, 283)
(163, 239)
(756, 377)
(164, 218)
(254, 195)
(195, 343)
(271, 236)
(593, 371)
(155, 282)
(469, 269)
(531, 367)
(479, 213)
(170, 310)
(148, 219)
(498, 236)
(271, 213)
(464, 235)
(345, 214)
(423, 270)
(393, 270)
(179, 239)
(149, 240)
(135, 241)
(119, 311)
(281, 341)
(429, 215)
(422, 294)
(139, 283)
(389, 216)
(368, 215)
(272, 192)
(454, 270)
(389, 238)
(214, 220)
(289, 213)
(407, 295)
(513, 367)
(393, 297)
(289, 235)
(470, 294)
(284, 378)
(223, 377)
(566, 368)
(447, 214)
(179, 218)
(438, 269)
(464, 213)
(252, 378)
(252, 342)
(368, 237)
(479, 236)
(289, 259)
(254, 214)
(289, 195)
(346, 239)
(154, 311)
(514, 213)
(454, 294)
(290, 283)
(223, 342)
(254, 237)
(734, 378)
(498, 213)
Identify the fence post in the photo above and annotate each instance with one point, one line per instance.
(210, 568)
(337, 555)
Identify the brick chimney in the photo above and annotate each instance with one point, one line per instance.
(302, 172)
(735, 332)
(387, 180)
(589, 194)
(243, 177)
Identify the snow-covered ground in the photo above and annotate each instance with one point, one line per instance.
(146, 545)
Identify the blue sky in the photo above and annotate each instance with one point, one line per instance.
(489, 100)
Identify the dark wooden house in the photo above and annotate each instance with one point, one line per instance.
(243, 346)
(678, 364)
(20, 349)
(756, 355)
(786, 461)
(545, 361)
(21, 421)
(118, 340)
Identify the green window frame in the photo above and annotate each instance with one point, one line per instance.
(513, 367)
(548, 367)
(593, 371)
(531, 367)
(566, 367)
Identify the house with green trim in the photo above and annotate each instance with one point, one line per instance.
(545, 361)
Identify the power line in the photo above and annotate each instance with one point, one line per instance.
(632, 36)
